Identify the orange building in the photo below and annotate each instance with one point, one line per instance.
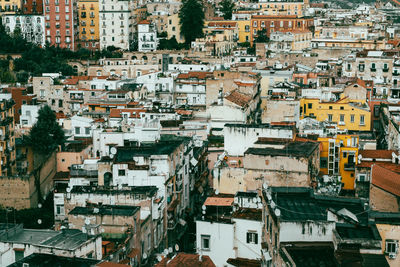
(278, 23)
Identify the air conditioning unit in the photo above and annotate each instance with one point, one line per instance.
(392, 255)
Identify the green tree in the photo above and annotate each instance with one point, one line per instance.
(191, 19)
(226, 7)
(261, 36)
(46, 135)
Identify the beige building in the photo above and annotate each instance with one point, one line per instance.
(389, 231)
(174, 28)
(21, 192)
(275, 161)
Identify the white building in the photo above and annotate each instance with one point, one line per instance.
(114, 23)
(17, 243)
(236, 236)
(29, 115)
(31, 26)
(147, 37)
(81, 126)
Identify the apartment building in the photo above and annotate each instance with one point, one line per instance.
(285, 7)
(7, 138)
(31, 27)
(88, 17)
(114, 23)
(60, 23)
(278, 23)
(32, 7)
(147, 36)
(10, 6)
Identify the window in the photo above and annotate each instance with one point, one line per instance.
(361, 67)
(310, 105)
(77, 130)
(87, 130)
(352, 118)
(60, 209)
(342, 118)
(330, 107)
(121, 172)
(324, 163)
(362, 120)
(205, 242)
(362, 178)
(252, 238)
(330, 117)
(19, 254)
(392, 246)
(373, 67)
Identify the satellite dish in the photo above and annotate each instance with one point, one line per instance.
(166, 251)
(259, 200)
(159, 258)
(204, 212)
(273, 204)
(217, 192)
(278, 212)
(259, 205)
(39, 205)
(170, 250)
(113, 150)
(265, 185)
(112, 156)
(87, 221)
(39, 221)
(254, 200)
(176, 247)
(145, 255)
(69, 189)
(204, 207)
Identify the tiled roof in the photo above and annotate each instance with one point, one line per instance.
(111, 264)
(183, 259)
(201, 75)
(244, 262)
(218, 201)
(238, 98)
(377, 154)
(385, 179)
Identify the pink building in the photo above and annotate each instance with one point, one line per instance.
(60, 21)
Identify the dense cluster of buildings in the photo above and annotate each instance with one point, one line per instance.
(287, 154)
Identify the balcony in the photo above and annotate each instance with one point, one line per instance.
(349, 167)
(172, 223)
(373, 69)
(395, 73)
(385, 70)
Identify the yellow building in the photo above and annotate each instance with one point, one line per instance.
(174, 28)
(353, 116)
(10, 6)
(88, 12)
(284, 7)
(338, 157)
(244, 30)
(7, 138)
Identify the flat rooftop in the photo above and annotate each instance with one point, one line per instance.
(289, 149)
(112, 210)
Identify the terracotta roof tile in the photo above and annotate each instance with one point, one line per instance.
(377, 154)
(385, 179)
(218, 201)
(238, 98)
(183, 259)
(201, 75)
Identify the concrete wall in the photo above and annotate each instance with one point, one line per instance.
(20, 191)
(389, 231)
(238, 139)
(221, 241)
(382, 200)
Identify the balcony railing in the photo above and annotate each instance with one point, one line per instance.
(349, 166)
